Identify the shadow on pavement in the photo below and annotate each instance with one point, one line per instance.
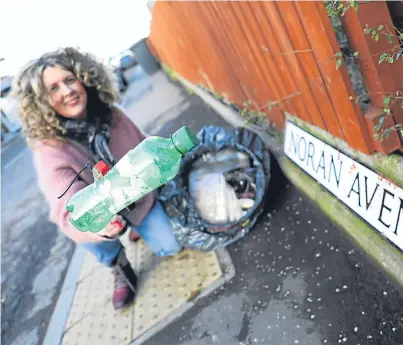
(276, 194)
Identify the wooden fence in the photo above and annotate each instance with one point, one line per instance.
(256, 53)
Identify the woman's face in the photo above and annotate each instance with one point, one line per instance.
(67, 95)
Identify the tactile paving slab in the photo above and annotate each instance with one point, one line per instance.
(169, 284)
(95, 286)
(165, 284)
(103, 326)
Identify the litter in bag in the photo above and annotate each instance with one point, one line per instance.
(237, 163)
(214, 198)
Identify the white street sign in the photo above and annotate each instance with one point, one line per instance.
(377, 200)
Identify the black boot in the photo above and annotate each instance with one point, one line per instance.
(125, 282)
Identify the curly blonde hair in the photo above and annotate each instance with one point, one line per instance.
(39, 119)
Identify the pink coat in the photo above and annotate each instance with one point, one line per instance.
(58, 163)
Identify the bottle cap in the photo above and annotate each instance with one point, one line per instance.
(101, 167)
(184, 139)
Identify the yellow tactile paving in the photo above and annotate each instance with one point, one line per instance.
(103, 326)
(165, 284)
(95, 285)
(170, 285)
(90, 293)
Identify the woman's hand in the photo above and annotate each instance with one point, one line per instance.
(113, 229)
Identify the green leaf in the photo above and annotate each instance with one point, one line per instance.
(338, 63)
(383, 57)
(379, 125)
(380, 27)
(401, 37)
(386, 100)
(376, 37)
(356, 54)
(389, 38)
(339, 54)
(389, 59)
(386, 111)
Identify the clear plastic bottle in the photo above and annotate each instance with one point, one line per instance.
(143, 169)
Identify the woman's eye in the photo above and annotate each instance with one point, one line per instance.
(71, 80)
(52, 88)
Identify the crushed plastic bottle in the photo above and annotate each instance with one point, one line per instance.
(148, 166)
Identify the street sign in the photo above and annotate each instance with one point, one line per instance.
(375, 199)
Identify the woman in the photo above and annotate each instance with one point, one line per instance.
(67, 108)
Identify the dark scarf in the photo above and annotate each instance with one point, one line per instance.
(92, 135)
(95, 136)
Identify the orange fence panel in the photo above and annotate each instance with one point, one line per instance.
(255, 53)
(304, 52)
(323, 41)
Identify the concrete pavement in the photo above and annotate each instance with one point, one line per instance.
(34, 254)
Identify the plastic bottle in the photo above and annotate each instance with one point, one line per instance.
(143, 169)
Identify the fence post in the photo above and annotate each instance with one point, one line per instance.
(380, 79)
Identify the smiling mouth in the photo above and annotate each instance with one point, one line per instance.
(73, 102)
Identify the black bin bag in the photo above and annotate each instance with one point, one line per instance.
(190, 229)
